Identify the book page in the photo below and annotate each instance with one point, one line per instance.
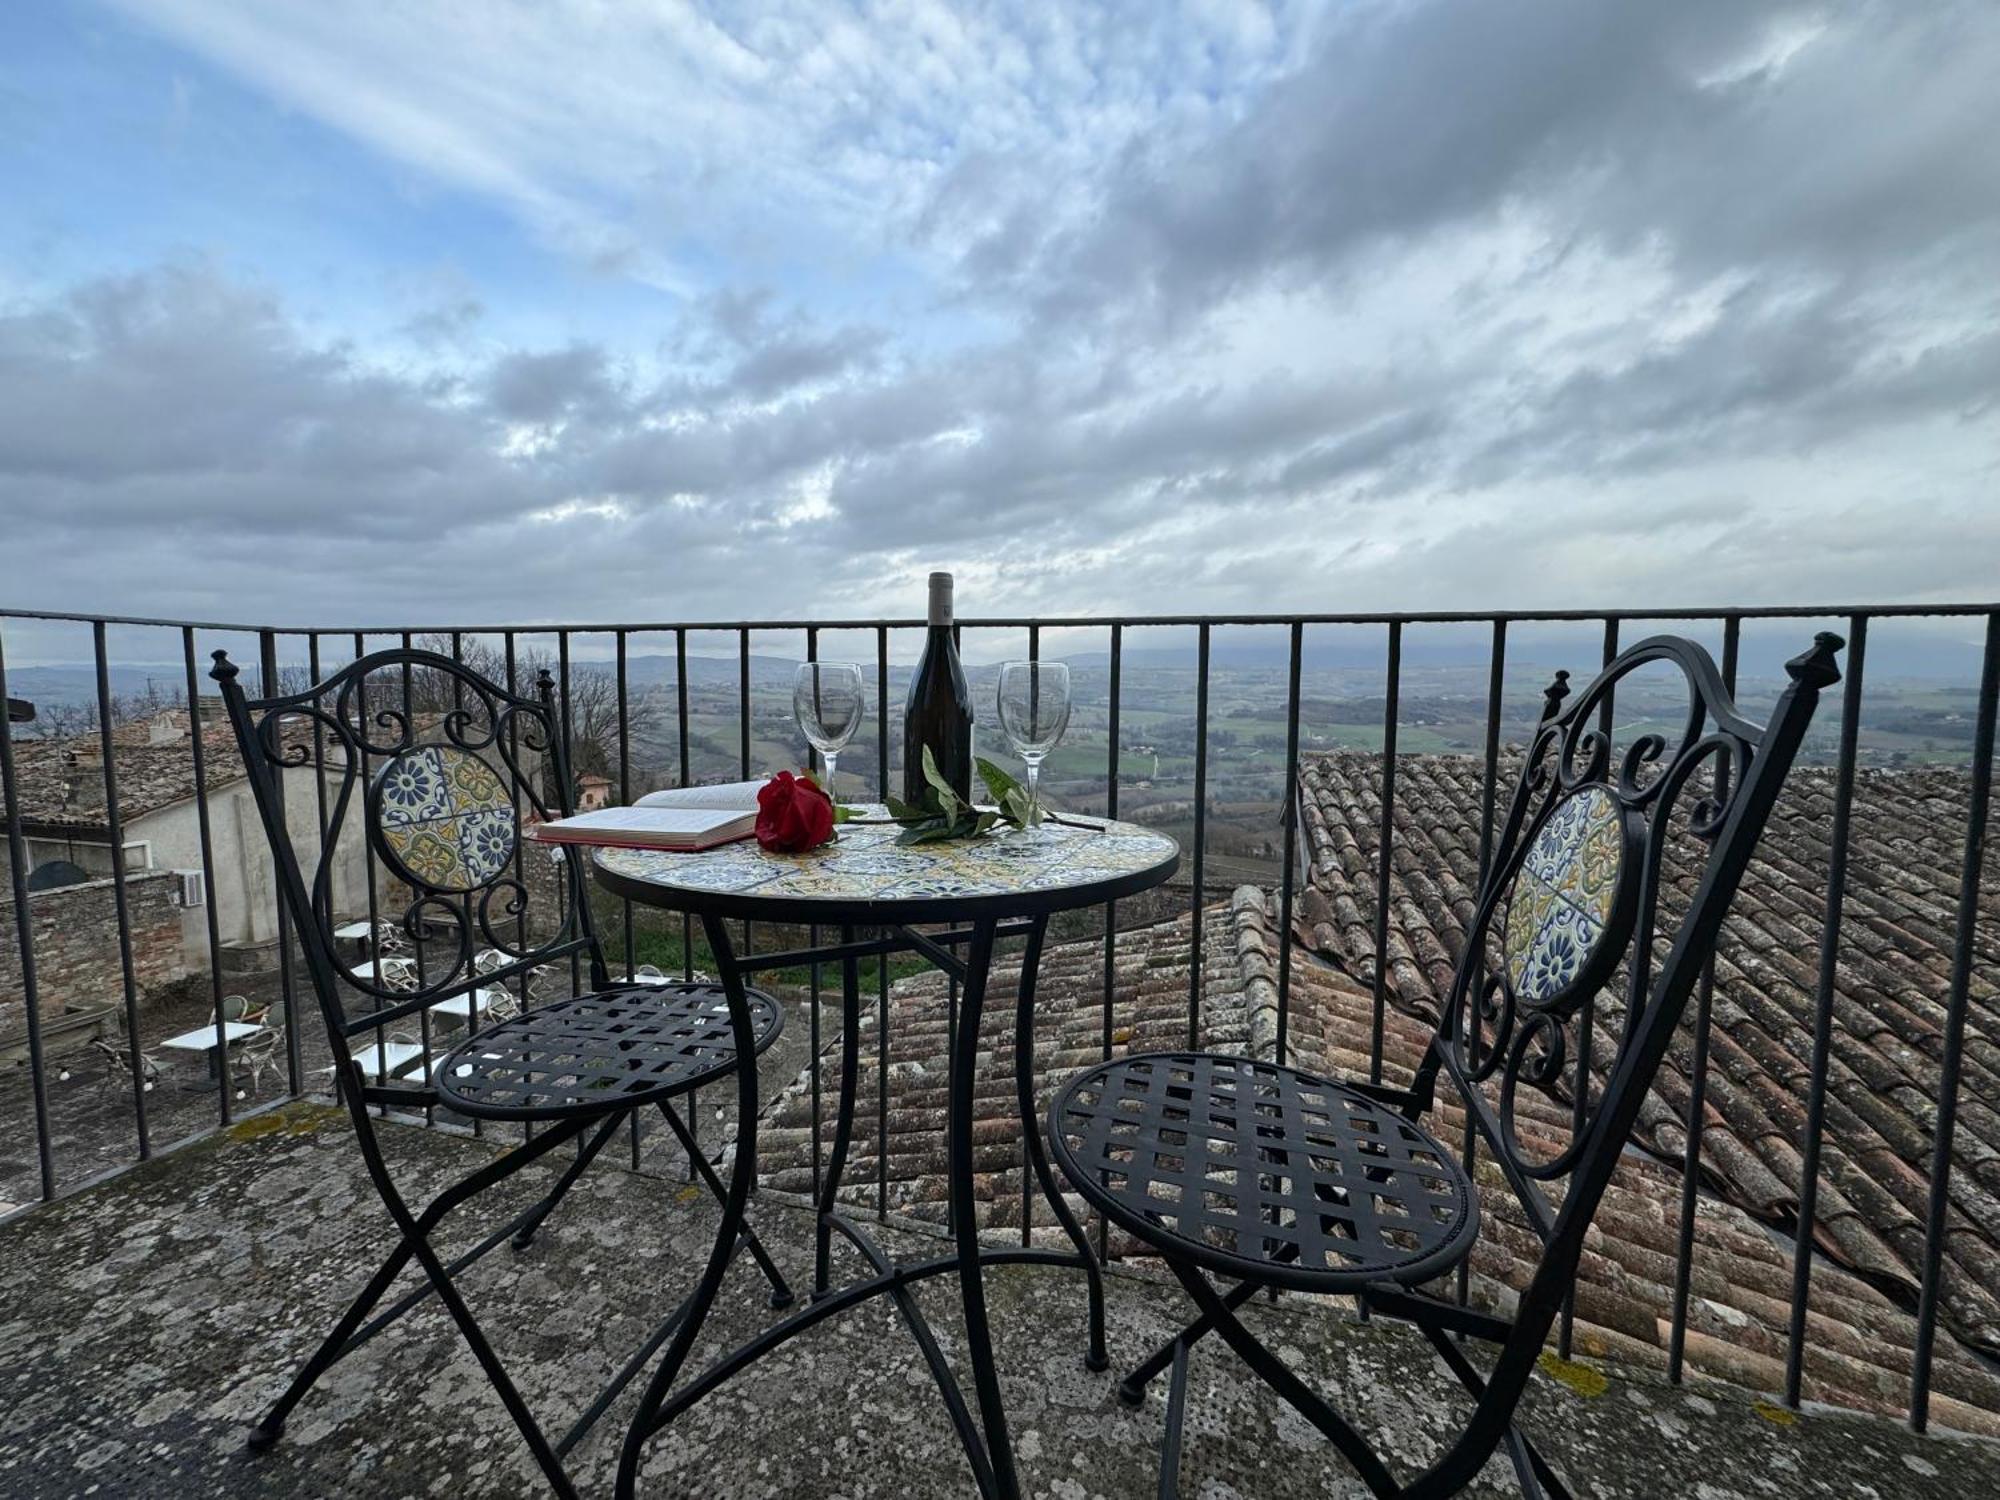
(736, 796)
(673, 822)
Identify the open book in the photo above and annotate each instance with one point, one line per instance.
(685, 817)
(686, 828)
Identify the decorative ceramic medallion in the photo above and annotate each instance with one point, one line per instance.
(866, 864)
(1564, 896)
(443, 818)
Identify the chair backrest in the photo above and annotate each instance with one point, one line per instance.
(440, 798)
(1573, 978)
(234, 1007)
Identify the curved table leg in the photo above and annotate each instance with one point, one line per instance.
(843, 1129)
(965, 1225)
(742, 1171)
(1031, 1133)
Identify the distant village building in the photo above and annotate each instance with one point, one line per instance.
(592, 791)
(65, 822)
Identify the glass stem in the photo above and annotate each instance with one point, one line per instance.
(1034, 789)
(832, 758)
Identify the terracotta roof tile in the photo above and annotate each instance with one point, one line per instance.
(1905, 847)
(1741, 1277)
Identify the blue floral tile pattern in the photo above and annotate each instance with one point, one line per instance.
(444, 817)
(866, 864)
(1563, 895)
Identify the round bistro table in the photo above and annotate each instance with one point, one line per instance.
(1004, 885)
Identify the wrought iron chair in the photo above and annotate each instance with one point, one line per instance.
(262, 1050)
(442, 801)
(1283, 1179)
(118, 1066)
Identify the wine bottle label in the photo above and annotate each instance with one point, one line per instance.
(940, 613)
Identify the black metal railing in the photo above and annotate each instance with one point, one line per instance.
(279, 650)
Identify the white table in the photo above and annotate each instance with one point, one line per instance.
(391, 1060)
(354, 932)
(384, 970)
(202, 1039)
(467, 1007)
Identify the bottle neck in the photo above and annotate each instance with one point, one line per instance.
(940, 601)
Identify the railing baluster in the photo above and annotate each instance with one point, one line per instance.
(1294, 790)
(115, 830)
(1111, 811)
(374, 954)
(812, 940)
(681, 708)
(267, 666)
(207, 846)
(1829, 956)
(882, 960)
(1489, 791)
(24, 935)
(1385, 835)
(1200, 832)
(743, 729)
(1704, 1009)
(625, 800)
(458, 702)
(1954, 1028)
(425, 1023)
(1020, 989)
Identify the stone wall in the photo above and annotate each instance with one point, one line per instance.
(75, 930)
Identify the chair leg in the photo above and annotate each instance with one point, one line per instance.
(341, 1340)
(1132, 1389)
(1275, 1373)
(272, 1426)
(525, 1235)
(496, 1373)
(1538, 1480)
(781, 1292)
(1170, 1445)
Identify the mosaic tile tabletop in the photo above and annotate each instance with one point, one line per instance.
(866, 864)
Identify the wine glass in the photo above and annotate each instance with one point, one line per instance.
(1034, 711)
(829, 701)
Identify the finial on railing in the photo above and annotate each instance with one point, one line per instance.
(1553, 695)
(1816, 667)
(545, 685)
(224, 669)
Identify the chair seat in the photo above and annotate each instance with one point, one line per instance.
(613, 1049)
(1265, 1172)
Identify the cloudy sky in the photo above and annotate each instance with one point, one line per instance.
(331, 313)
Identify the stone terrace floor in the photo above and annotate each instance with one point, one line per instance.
(144, 1322)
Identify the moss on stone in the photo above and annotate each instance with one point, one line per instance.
(1585, 1380)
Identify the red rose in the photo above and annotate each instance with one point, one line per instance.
(793, 814)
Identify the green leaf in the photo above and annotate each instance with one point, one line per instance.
(842, 813)
(948, 799)
(998, 782)
(985, 821)
(902, 812)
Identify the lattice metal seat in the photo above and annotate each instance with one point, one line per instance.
(611, 1050)
(1251, 1169)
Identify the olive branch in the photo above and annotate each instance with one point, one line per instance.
(942, 814)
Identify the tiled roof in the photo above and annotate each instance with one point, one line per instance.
(1741, 1281)
(62, 781)
(1905, 851)
(1859, 1342)
(1148, 1012)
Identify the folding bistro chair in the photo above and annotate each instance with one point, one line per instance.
(441, 813)
(1276, 1177)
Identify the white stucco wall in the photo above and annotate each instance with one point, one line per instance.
(245, 880)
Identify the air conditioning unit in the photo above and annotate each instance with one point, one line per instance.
(193, 891)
